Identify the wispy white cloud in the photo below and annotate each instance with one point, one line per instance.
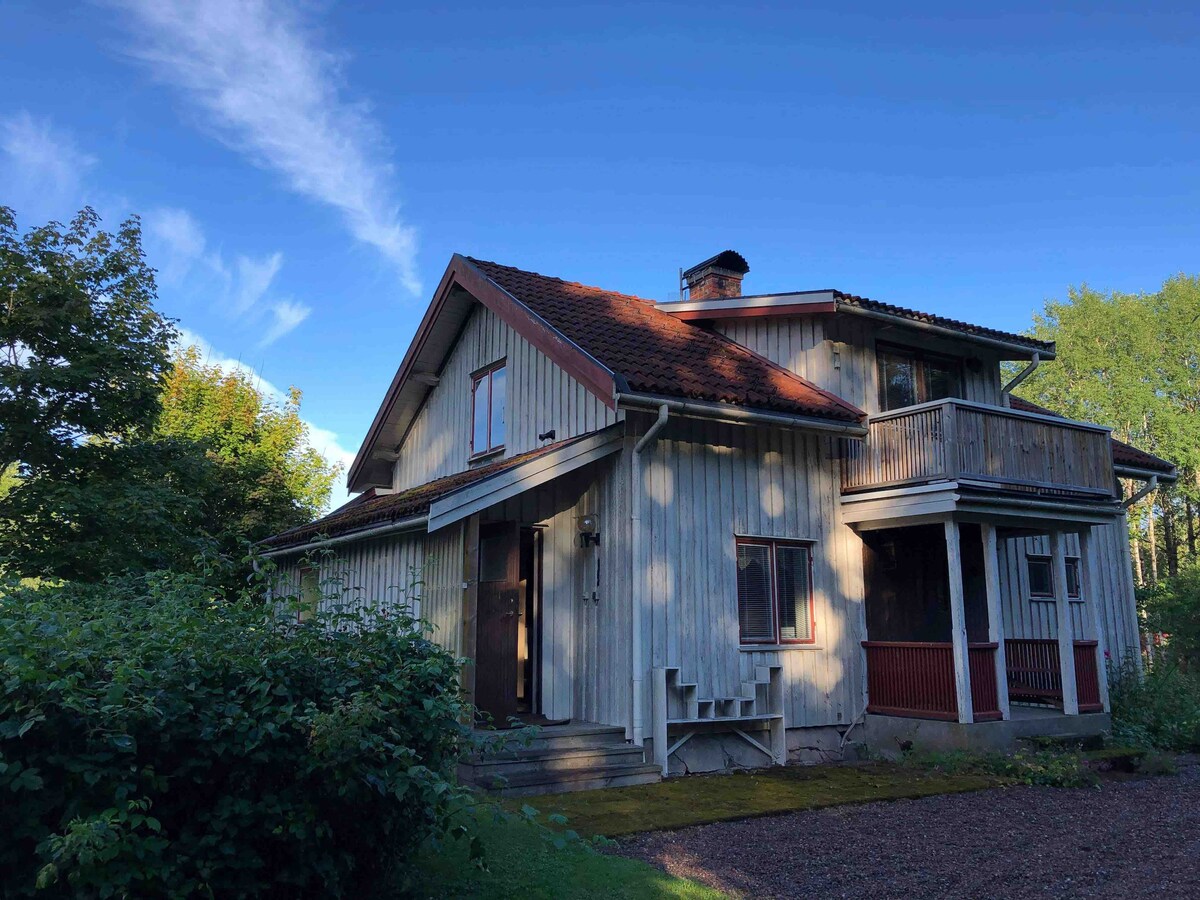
(41, 168)
(256, 70)
(323, 440)
(242, 288)
(285, 316)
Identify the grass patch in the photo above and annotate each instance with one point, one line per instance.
(699, 799)
(1048, 768)
(524, 859)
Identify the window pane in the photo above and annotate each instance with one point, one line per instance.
(499, 392)
(941, 380)
(795, 593)
(1072, 577)
(755, 616)
(897, 381)
(1040, 583)
(479, 399)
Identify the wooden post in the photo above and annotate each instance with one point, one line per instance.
(1094, 603)
(658, 718)
(958, 624)
(1066, 636)
(991, 577)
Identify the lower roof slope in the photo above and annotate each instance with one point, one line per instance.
(652, 352)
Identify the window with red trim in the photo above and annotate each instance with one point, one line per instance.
(775, 592)
(489, 392)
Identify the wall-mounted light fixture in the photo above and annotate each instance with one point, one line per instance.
(589, 530)
(547, 435)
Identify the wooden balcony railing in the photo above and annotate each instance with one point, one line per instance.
(1034, 674)
(906, 678)
(957, 440)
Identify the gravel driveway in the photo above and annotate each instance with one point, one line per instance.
(1127, 839)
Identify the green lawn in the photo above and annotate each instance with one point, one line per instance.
(697, 799)
(523, 861)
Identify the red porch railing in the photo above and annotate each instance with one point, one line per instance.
(1034, 673)
(907, 678)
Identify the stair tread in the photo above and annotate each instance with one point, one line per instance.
(532, 754)
(757, 717)
(527, 779)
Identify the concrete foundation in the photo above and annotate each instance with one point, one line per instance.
(889, 736)
(723, 751)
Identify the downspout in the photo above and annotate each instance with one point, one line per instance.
(1148, 489)
(637, 724)
(1007, 390)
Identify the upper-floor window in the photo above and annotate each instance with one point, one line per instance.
(908, 377)
(489, 390)
(1041, 578)
(775, 597)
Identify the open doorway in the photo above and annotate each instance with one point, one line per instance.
(508, 623)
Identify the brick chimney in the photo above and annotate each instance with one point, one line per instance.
(717, 278)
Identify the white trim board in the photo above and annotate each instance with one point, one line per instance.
(512, 482)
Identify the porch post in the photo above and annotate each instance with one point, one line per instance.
(1066, 636)
(1094, 603)
(958, 624)
(991, 577)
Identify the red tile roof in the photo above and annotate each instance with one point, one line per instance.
(944, 322)
(1123, 454)
(655, 353)
(365, 511)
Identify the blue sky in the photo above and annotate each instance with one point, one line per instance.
(304, 171)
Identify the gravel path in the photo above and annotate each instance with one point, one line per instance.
(1128, 839)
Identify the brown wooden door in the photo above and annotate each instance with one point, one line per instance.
(498, 621)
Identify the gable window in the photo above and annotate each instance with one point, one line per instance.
(908, 377)
(1041, 578)
(775, 597)
(489, 392)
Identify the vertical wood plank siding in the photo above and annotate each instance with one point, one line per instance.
(541, 397)
(1037, 619)
(702, 484)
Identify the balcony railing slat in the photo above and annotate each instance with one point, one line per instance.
(955, 439)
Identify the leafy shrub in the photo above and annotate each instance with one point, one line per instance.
(154, 742)
(1052, 768)
(1159, 710)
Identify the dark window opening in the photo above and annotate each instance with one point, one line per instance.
(775, 594)
(908, 377)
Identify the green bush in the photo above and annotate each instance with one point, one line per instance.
(1050, 768)
(155, 742)
(1159, 710)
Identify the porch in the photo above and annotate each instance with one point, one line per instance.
(938, 648)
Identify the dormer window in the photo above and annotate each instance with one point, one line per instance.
(908, 377)
(489, 390)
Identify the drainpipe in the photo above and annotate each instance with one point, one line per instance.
(1148, 489)
(637, 724)
(1021, 376)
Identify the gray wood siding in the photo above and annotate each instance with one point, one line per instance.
(585, 644)
(806, 345)
(541, 397)
(702, 485)
(1032, 618)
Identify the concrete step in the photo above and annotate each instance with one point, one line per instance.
(588, 779)
(483, 770)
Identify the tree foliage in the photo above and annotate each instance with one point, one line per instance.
(82, 349)
(254, 439)
(154, 743)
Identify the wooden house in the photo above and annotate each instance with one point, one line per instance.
(734, 530)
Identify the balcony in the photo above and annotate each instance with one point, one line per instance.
(987, 447)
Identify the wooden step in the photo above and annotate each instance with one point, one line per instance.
(563, 737)
(757, 717)
(482, 771)
(588, 779)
